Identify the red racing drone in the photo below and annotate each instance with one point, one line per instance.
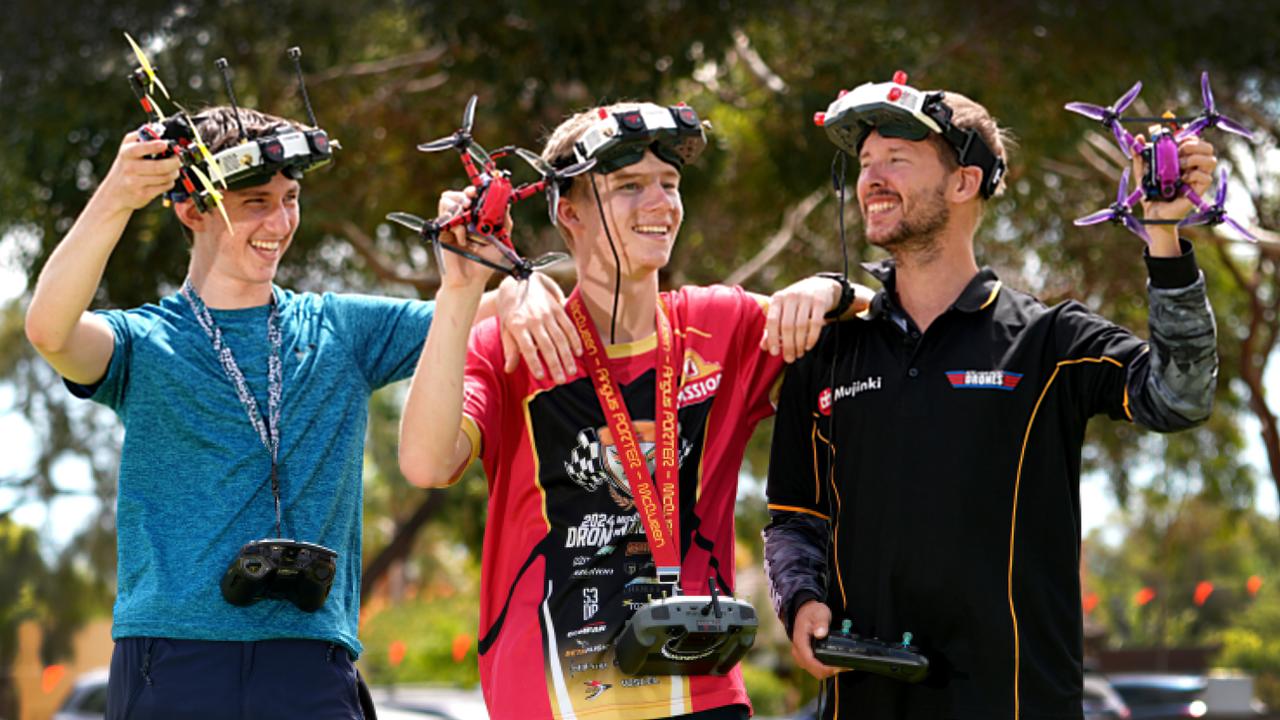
(495, 194)
(1161, 180)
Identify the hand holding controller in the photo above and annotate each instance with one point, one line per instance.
(900, 661)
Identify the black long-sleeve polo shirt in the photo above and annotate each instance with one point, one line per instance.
(954, 504)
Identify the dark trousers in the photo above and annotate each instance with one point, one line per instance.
(197, 679)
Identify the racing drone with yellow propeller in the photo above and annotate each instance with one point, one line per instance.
(285, 149)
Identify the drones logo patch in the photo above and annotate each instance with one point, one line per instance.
(983, 379)
(595, 688)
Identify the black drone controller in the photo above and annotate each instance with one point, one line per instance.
(687, 635)
(299, 572)
(901, 661)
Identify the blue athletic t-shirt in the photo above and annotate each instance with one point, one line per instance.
(194, 482)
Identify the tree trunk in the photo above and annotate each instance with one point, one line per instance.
(401, 543)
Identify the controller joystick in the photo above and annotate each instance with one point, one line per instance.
(845, 649)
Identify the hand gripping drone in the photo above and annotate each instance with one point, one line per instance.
(495, 194)
(252, 161)
(183, 138)
(1162, 178)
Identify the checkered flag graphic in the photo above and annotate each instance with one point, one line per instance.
(585, 464)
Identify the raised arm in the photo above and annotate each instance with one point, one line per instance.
(76, 343)
(433, 447)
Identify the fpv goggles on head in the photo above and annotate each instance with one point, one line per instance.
(285, 150)
(615, 140)
(897, 110)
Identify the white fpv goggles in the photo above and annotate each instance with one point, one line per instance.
(897, 110)
(620, 138)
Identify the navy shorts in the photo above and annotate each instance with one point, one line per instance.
(196, 679)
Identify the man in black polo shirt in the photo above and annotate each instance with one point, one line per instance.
(926, 457)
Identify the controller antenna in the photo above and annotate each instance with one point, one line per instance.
(714, 605)
(295, 54)
(221, 64)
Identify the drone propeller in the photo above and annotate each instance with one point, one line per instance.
(214, 196)
(552, 177)
(444, 143)
(1121, 212)
(1210, 117)
(469, 115)
(461, 140)
(147, 68)
(1216, 213)
(547, 260)
(1114, 211)
(214, 169)
(1110, 116)
(409, 220)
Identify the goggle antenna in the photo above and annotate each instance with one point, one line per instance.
(221, 64)
(295, 54)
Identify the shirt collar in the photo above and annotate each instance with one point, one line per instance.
(980, 293)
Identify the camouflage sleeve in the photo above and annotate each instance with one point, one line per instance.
(795, 561)
(1171, 387)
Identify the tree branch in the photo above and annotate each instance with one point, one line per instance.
(791, 222)
(757, 65)
(377, 67)
(401, 543)
(424, 283)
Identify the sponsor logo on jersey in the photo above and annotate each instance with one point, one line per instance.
(575, 668)
(632, 682)
(601, 529)
(638, 548)
(983, 379)
(594, 628)
(701, 380)
(580, 560)
(827, 398)
(593, 572)
(595, 688)
(584, 649)
(593, 463)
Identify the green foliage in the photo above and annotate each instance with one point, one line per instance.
(1253, 644)
(1171, 546)
(428, 629)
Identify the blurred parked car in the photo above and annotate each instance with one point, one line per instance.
(428, 703)
(1161, 696)
(1101, 701)
(88, 698)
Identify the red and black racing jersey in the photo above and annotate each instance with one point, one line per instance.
(566, 561)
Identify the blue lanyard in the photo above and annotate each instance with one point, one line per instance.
(268, 429)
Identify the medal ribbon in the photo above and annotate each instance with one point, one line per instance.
(658, 501)
(268, 429)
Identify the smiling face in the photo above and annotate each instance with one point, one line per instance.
(263, 219)
(902, 192)
(641, 204)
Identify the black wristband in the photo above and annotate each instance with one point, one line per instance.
(846, 294)
(1173, 272)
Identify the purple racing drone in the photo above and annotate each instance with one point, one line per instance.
(1162, 178)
